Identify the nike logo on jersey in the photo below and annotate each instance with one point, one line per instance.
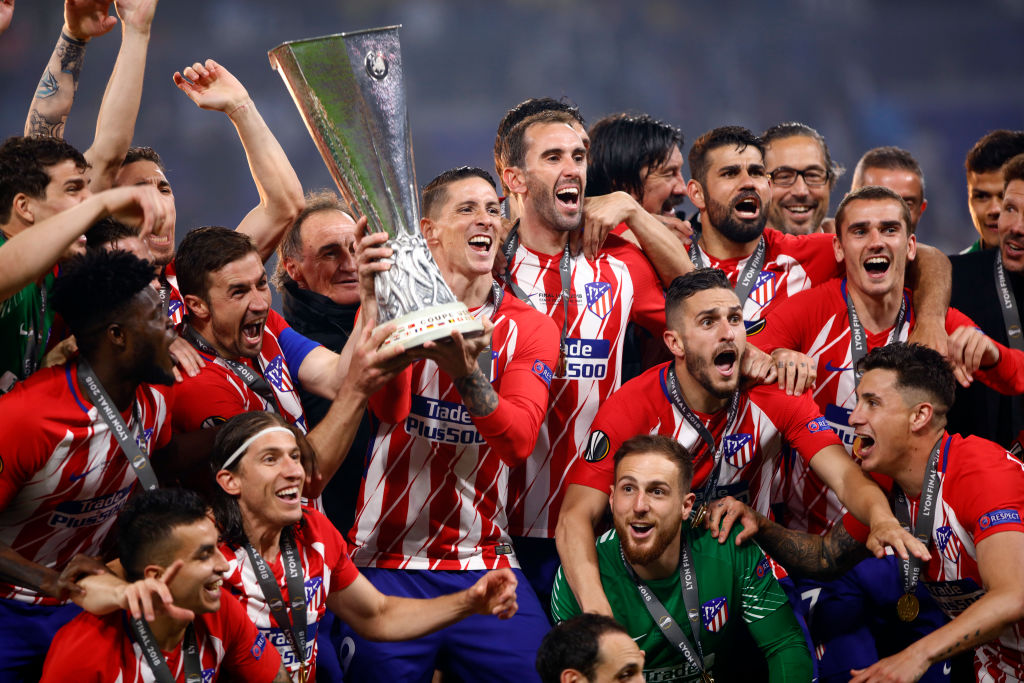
(831, 368)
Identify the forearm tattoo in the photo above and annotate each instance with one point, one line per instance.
(810, 555)
(69, 55)
(477, 393)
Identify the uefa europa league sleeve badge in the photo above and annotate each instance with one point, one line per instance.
(350, 91)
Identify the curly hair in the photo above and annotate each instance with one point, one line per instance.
(23, 164)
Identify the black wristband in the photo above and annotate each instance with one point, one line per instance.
(73, 41)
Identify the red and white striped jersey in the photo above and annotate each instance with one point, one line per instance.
(981, 493)
(217, 394)
(63, 476)
(435, 485)
(92, 649)
(816, 322)
(327, 569)
(792, 263)
(768, 427)
(618, 287)
(175, 301)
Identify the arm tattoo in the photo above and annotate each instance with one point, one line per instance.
(40, 125)
(809, 555)
(477, 393)
(48, 86)
(72, 55)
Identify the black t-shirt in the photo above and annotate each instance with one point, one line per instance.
(979, 410)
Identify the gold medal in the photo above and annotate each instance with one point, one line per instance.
(857, 443)
(303, 674)
(907, 607)
(563, 362)
(705, 677)
(698, 515)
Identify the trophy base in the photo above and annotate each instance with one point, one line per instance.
(430, 324)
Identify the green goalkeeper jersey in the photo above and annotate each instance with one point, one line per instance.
(734, 584)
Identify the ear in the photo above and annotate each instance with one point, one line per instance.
(837, 247)
(116, 335)
(911, 247)
(429, 230)
(229, 482)
(22, 208)
(515, 179)
(572, 676)
(152, 571)
(291, 267)
(673, 342)
(696, 193)
(920, 416)
(198, 307)
(688, 500)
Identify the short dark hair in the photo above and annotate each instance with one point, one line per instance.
(229, 438)
(793, 129)
(147, 522)
(291, 246)
(874, 193)
(736, 136)
(23, 164)
(1013, 170)
(621, 146)
(697, 280)
(993, 150)
(660, 445)
(525, 109)
(890, 158)
(916, 367)
(435, 193)
(108, 231)
(94, 289)
(205, 251)
(144, 154)
(574, 644)
(515, 143)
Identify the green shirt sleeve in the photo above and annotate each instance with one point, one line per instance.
(563, 602)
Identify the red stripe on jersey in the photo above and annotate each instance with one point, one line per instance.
(64, 477)
(598, 316)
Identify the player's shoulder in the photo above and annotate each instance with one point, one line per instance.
(317, 528)
(526, 317)
(975, 455)
(645, 389)
(86, 631)
(801, 246)
(46, 395)
(276, 322)
(617, 248)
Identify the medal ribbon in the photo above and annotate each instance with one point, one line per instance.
(251, 378)
(130, 445)
(484, 360)
(745, 280)
(910, 569)
(714, 449)
(858, 338)
(294, 628)
(1008, 305)
(666, 623)
(155, 658)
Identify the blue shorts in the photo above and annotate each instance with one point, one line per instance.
(540, 562)
(478, 648)
(25, 635)
(853, 621)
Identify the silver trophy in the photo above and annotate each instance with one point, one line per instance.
(350, 92)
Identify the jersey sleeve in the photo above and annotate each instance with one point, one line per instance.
(23, 445)
(1007, 377)
(295, 347)
(79, 653)
(511, 429)
(986, 489)
(563, 602)
(784, 326)
(769, 617)
(798, 418)
(648, 309)
(343, 571)
(206, 399)
(248, 655)
(817, 256)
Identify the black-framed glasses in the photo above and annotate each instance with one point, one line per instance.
(785, 176)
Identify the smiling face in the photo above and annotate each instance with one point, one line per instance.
(268, 481)
(735, 195)
(664, 186)
(197, 585)
(799, 208)
(235, 310)
(463, 230)
(1011, 227)
(554, 175)
(649, 504)
(327, 264)
(145, 172)
(707, 332)
(874, 244)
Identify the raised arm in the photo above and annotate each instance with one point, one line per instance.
(115, 124)
(931, 296)
(83, 21)
(376, 616)
(581, 510)
(213, 87)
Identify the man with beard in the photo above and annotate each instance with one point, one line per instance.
(733, 192)
(985, 183)
(803, 175)
(253, 359)
(739, 438)
(897, 170)
(990, 287)
(680, 594)
(590, 299)
(962, 495)
(75, 439)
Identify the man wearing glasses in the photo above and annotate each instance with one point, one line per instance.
(802, 173)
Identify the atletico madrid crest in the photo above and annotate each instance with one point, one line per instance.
(599, 298)
(763, 290)
(739, 449)
(276, 375)
(947, 543)
(714, 614)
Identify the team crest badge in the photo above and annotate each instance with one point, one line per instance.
(739, 449)
(947, 543)
(599, 298)
(763, 290)
(173, 306)
(714, 614)
(276, 375)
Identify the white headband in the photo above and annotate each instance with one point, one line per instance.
(248, 442)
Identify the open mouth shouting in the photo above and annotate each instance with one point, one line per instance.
(862, 446)
(568, 197)
(747, 206)
(725, 361)
(290, 495)
(877, 266)
(252, 332)
(481, 243)
(641, 530)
